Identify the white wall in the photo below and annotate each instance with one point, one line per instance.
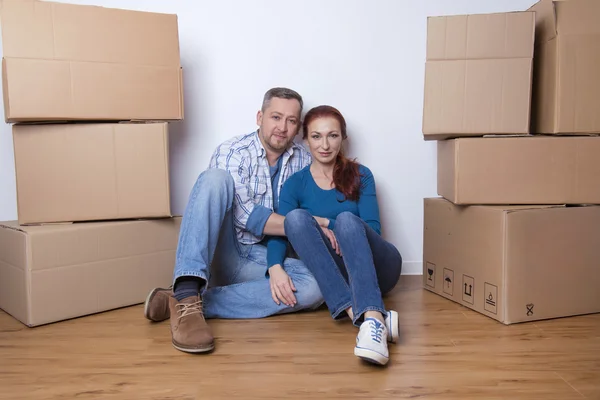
(366, 58)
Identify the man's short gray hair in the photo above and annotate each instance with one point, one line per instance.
(281, 93)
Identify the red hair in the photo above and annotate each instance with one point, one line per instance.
(346, 176)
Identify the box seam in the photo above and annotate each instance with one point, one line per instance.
(166, 67)
(457, 171)
(116, 172)
(28, 273)
(504, 275)
(167, 169)
(55, 268)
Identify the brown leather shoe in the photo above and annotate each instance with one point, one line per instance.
(156, 307)
(189, 331)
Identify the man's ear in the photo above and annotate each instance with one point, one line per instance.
(259, 117)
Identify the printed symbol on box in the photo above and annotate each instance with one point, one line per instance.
(430, 274)
(468, 289)
(491, 298)
(448, 281)
(529, 310)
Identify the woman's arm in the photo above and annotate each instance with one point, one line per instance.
(288, 201)
(368, 209)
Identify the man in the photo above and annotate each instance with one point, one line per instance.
(221, 261)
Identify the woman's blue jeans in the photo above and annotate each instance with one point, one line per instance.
(368, 268)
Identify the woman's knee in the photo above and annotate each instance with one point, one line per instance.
(347, 220)
(346, 225)
(296, 220)
(394, 278)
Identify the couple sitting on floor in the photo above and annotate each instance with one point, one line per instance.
(264, 197)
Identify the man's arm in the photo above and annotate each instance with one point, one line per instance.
(247, 214)
(274, 225)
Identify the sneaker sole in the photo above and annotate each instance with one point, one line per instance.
(147, 303)
(371, 356)
(393, 328)
(195, 350)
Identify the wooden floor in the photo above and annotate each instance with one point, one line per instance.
(446, 352)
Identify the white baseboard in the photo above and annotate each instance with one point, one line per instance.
(412, 268)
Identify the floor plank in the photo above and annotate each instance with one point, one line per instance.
(446, 352)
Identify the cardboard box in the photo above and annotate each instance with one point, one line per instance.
(87, 172)
(566, 94)
(53, 273)
(519, 170)
(72, 62)
(478, 75)
(514, 264)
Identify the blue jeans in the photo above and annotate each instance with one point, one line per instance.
(238, 286)
(368, 268)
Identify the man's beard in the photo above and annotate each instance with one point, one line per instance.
(278, 145)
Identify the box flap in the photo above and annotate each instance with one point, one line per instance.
(45, 30)
(481, 36)
(565, 17)
(545, 21)
(13, 245)
(14, 225)
(513, 209)
(32, 229)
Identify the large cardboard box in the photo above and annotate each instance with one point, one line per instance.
(519, 170)
(478, 75)
(566, 95)
(73, 62)
(514, 264)
(53, 273)
(86, 172)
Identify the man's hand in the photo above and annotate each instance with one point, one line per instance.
(331, 236)
(282, 287)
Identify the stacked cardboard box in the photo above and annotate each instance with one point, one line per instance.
(90, 92)
(511, 100)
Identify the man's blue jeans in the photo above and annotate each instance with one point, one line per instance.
(238, 286)
(369, 267)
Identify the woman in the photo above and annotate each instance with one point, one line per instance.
(351, 262)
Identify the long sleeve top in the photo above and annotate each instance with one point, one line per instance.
(301, 191)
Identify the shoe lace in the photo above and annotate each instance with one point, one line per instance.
(189, 309)
(376, 331)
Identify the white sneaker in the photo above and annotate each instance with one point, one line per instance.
(371, 343)
(393, 326)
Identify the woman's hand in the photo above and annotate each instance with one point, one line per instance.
(282, 287)
(323, 222)
(331, 236)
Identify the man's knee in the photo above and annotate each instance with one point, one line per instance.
(308, 293)
(297, 219)
(214, 178)
(215, 184)
(312, 297)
